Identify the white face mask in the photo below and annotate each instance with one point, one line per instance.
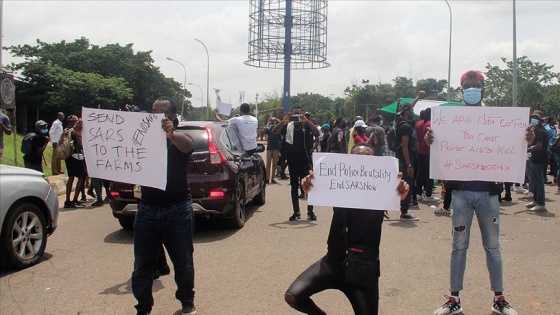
(472, 96)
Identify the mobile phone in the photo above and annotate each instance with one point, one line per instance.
(294, 118)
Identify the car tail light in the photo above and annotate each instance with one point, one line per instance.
(115, 194)
(216, 156)
(217, 194)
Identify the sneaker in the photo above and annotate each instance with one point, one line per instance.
(283, 176)
(528, 196)
(502, 307)
(519, 190)
(441, 211)
(295, 216)
(531, 204)
(302, 196)
(538, 208)
(386, 215)
(97, 204)
(507, 198)
(414, 205)
(450, 307)
(189, 309)
(408, 217)
(431, 199)
(419, 197)
(311, 216)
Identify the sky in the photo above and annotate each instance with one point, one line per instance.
(372, 40)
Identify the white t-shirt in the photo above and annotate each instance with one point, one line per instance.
(247, 126)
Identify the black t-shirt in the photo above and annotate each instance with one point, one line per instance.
(302, 145)
(541, 135)
(33, 157)
(364, 228)
(404, 129)
(177, 188)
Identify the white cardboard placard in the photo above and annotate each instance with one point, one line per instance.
(224, 108)
(355, 181)
(124, 146)
(479, 143)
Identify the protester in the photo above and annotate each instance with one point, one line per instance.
(337, 143)
(34, 159)
(423, 181)
(166, 217)
(470, 197)
(5, 127)
(272, 150)
(358, 134)
(299, 140)
(364, 229)
(326, 128)
(552, 133)
(376, 134)
(539, 161)
(55, 133)
(247, 127)
(75, 164)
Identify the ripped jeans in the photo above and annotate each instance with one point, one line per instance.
(464, 204)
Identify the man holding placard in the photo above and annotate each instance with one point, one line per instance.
(166, 217)
(471, 195)
(352, 230)
(246, 125)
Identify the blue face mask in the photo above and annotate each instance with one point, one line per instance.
(534, 121)
(44, 131)
(472, 96)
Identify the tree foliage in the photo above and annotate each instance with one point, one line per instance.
(533, 79)
(68, 75)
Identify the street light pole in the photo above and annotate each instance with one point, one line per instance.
(207, 75)
(184, 88)
(449, 65)
(201, 93)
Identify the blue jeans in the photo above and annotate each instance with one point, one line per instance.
(537, 182)
(173, 227)
(464, 204)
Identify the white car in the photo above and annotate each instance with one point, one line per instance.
(28, 214)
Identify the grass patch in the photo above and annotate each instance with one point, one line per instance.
(10, 157)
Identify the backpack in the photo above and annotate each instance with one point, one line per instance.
(393, 142)
(64, 147)
(27, 143)
(555, 146)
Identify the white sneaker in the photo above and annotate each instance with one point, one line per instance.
(419, 197)
(538, 208)
(519, 189)
(531, 204)
(431, 199)
(528, 196)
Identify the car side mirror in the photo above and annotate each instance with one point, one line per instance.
(260, 147)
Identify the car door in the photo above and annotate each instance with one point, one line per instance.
(245, 164)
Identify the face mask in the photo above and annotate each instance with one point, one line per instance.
(44, 131)
(472, 96)
(534, 121)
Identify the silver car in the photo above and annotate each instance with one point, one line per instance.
(28, 214)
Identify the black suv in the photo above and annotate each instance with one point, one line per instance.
(222, 177)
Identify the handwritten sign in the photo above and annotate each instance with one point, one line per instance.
(355, 181)
(224, 108)
(479, 143)
(125, 146)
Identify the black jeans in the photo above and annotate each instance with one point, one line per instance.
(405, 203)
(328, 273)
(298, 170)
(423, 180)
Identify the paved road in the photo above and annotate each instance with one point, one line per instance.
(88, 263)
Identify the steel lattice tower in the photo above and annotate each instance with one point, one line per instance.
(288, 35)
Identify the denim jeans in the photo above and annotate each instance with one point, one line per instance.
(464, 204)
(537, 182)
(173, 227)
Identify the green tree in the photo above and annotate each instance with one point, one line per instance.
(68, 75)
(532, 78)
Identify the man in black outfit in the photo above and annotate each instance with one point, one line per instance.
(299, 141)
(364, 228)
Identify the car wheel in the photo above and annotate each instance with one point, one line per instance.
(260, 199)
(127, 223)
(238, 219)
(25, 236)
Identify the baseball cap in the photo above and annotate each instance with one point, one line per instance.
(359, 123)
(326, 126)
(404, 107)
(476, 72)
(41, 123)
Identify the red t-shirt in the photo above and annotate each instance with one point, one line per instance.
(421, 126)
